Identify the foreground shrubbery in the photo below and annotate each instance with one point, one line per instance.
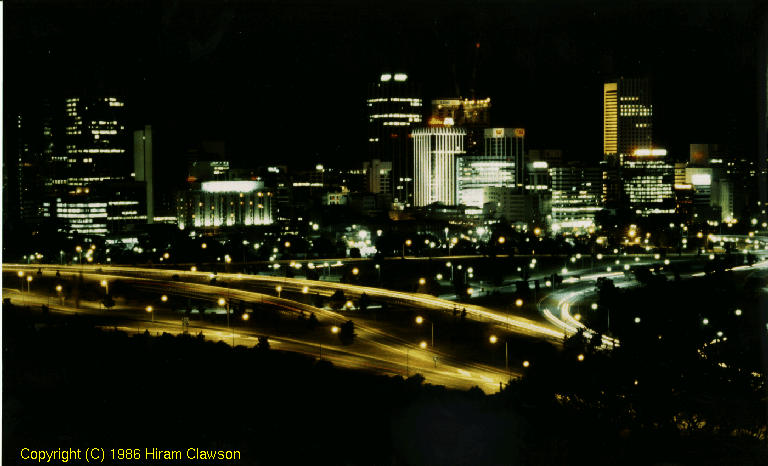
(66, 383)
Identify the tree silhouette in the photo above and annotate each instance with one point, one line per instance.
(108, 302)
(363, 302)
(263, 344)
(338, 299)
(347, 333)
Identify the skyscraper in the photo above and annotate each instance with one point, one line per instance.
(635, 173)
(627, 117)
(97, 193)
(393, 106)
(36, 162)
(576, 193)
(501, 164)
(436, 150)
(474, 115)
(142, 167)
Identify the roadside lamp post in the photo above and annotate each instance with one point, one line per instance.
(494, 339)
(420, 320)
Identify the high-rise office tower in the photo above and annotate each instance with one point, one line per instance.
(474, 115)
(142, 167)
(627, 117)
(436, 150)
(648, 181)
(501, 164)
(99, 195)
(635, 173)
(576, 196)
(36, 162)
(394, 106)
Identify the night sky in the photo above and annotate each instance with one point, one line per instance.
(284, 81)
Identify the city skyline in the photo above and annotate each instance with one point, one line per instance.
(233, 78)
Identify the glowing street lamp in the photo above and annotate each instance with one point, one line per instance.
(245, 316)
(494, 339)
(305, 289)
(204, 245)
(150, 310)
(423, 345)
(580, 357)
(526, 364)
(355, 271)
(163, 298)
(334, 329)
(422, 281)
(519, 302)
(279, 290)
(502, 240)
(408, 243)
(29, 283)
(420, 320)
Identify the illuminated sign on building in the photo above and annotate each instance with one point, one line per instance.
(651, 152)
(701, 179)
(230, 186)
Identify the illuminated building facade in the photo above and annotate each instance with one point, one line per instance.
(474, 115)
(215, 204)
(648, 181)
(501, 164)
(627, 127)
(436, 151)
(627, 117)
(394, 106)
(378, 176)
(576, 197)
(96, 192)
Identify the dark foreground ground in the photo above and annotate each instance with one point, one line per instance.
(67, 384)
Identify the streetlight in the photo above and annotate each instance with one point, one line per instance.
(408, 243)
(580, 357)
(494, 339)
(245, 316)
(423, 345)
(105, 284)
(222, 302)
(422, 281)
(79, 250)
(29, 283)
(20, 274)
(355, 271)
(737, 312)
(519, 302)
(163, 298)
(59, 288)
(204, 245)
(526, 364)
(420, 320)
(305, 289)
(334, 329)
(150, 310)
(279, 290)
(502, 240)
